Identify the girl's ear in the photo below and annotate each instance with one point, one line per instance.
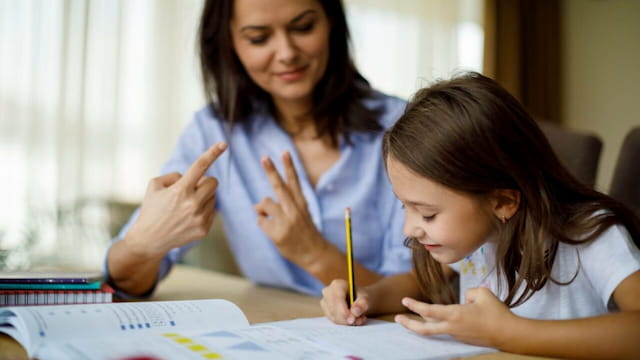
(505, 203)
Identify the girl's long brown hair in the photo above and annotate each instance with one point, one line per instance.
(471, 135)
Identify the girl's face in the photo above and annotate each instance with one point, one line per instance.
(448, 223)
(282, 44)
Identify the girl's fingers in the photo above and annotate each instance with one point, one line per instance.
(334, 302)
(477, 294)
(421, 327)
(357, 311)
(360, 321)
(429, 311)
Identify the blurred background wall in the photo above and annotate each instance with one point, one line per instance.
(601, 73)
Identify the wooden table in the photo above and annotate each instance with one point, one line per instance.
(259, 303)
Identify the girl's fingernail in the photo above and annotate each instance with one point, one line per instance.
(351, 320)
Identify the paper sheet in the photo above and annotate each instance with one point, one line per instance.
(380, 340)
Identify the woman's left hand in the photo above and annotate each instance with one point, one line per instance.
(480, 321)
(287, 222)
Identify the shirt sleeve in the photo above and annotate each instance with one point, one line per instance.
(609, 259)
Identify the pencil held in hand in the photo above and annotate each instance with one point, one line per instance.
(351, 276)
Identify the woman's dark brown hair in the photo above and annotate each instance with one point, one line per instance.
(338, 107)
(471, 135)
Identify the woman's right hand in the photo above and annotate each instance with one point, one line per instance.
(335, 307)
(177, 209)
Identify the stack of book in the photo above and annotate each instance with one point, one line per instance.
(51, 288)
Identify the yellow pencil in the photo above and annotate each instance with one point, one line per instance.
(351, 275)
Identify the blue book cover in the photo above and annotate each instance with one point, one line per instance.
(54, 286)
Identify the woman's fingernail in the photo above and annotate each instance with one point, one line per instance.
(351, 320)
(356, 311)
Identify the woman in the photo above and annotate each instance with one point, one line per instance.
(281, 83)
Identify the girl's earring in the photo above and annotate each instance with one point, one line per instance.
(504, 219)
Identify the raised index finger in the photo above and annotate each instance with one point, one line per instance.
(200, 166)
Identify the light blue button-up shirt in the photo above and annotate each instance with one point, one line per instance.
(357, 180)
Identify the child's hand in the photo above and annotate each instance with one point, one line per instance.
(479, 321)
(334, 304)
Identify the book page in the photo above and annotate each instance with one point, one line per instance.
(379, 340)
(256, 343)
(34, 325)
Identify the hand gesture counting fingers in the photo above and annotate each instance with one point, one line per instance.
(201, 165)
(287, 222)
(334, 304)
(479, 321)
(292, 181)
(289, 193)
(176, 209)
(267, 210)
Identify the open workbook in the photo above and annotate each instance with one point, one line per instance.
(207, 329)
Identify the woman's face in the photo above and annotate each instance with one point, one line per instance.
(449, 224)
(283, 45)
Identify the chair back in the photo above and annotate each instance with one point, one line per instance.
(579, 152)
(625, 185)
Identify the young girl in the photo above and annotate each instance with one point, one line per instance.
(547, 266)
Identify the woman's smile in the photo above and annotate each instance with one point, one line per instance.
(292, 75)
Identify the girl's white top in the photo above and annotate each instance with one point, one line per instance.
(599, 267)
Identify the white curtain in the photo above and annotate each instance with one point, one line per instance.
(403, 45)
(93, 95)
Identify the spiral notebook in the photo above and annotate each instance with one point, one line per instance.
(22, 297)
